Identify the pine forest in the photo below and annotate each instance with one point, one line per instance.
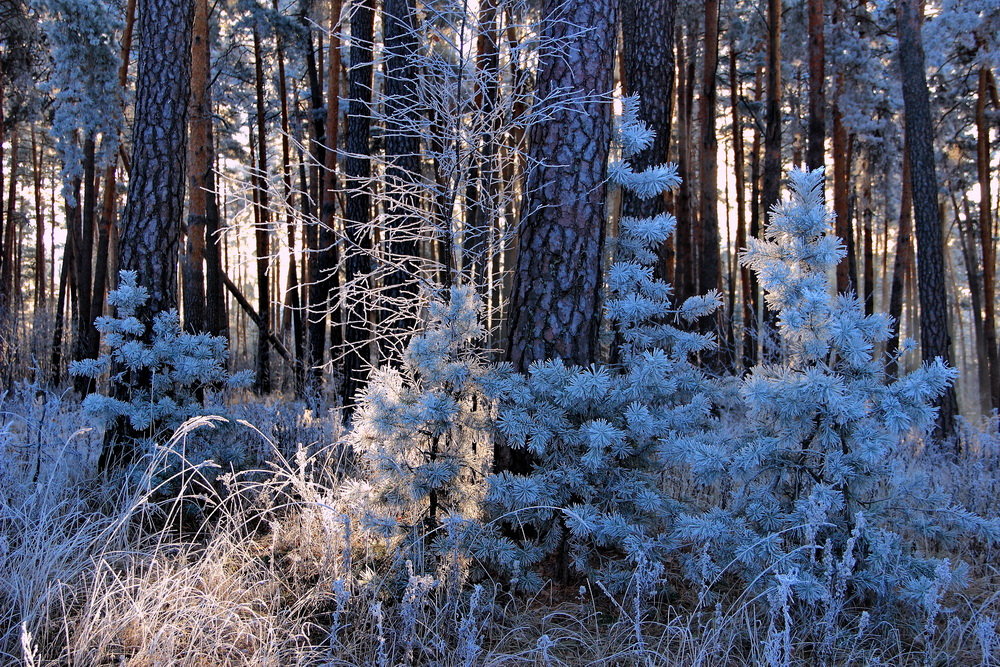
(499, 332)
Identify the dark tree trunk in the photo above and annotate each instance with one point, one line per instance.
(262, 233)
(746, 302)
(357, 168)
(293, 301)
(817, 73)
(709, 271)
(154, 212)
(902, 263)
(986, 235)
(772, 119)
(554, 305)
(402, 153)
(935, 340)
(685, 278)
(84, 243)
(648, 63)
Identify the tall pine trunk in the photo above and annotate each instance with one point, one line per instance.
(935, 340)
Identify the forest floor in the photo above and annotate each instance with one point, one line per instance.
(187, 563)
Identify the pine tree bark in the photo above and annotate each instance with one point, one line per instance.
(817, 75)
(648, 64)
(772, 119)
(262, 232)
(154, 212)
(685, 278)
(402, 152)
(554, 307)
(934, 337)
(357, 167)
(149, 241)
(986, 234)
(709, 265)
(201, 181)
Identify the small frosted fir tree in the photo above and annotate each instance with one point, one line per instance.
(162, 375)
(814, 499)
(420, 429)
(594, 498)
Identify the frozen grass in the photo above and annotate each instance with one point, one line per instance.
(263, 568)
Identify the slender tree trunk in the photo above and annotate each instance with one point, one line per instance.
(107, 224)
(709, 271)
(685, 282)
(934, 338)
(772, 120)
(817, 80)
(262, 233)
(739, 166)
(986, 236)
(329, 259)
(319, 240)
(84, 266)
(40, 270)
(200, 154)
(293, 301)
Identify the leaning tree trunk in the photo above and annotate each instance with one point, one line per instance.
(935, 340)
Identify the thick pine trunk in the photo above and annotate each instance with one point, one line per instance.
(554, 307)
(402, 154)
(149, 241)
(154, 210)
(935, 340)
(648, 63)
(357, 167)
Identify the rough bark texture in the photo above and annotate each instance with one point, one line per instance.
(648, 64)
(357, 167)
(934, 337)
(402, 144)
(554, 307)
(154, 211)
(149, 239)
